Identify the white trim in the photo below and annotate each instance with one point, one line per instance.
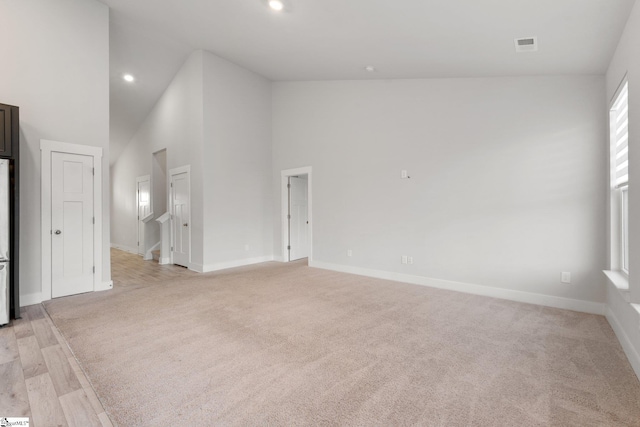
(230, 264)
(172, 172)
(164, 261)
(125, 248)
(618, 279)
(627, 346)
(147, 218)
(30, 299)
(624, 81)
(508, 294)
(105, 286)
(47, 147)
(285, 174)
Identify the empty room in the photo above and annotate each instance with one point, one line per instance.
(319, 212)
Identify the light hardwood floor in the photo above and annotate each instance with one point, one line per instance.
(40, 378)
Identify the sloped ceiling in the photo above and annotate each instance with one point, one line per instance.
(336, 39)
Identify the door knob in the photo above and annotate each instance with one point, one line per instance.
(185, 224)
(58, 232)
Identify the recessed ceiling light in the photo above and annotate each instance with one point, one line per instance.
(128, 77)
(276, 5)
(370, 68)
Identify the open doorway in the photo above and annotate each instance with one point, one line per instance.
(296, 214)
(143, 201)
(159, 177)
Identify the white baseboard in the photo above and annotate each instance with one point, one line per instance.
(278, 258)
(30, 299)
(236, 263)
(508, 294)
(627, 346)
(36, 298)
(125, 248)
(163, 261)
(104, 286)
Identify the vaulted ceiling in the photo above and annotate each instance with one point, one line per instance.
(337, 39)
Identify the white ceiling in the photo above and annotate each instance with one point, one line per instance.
(336, 39)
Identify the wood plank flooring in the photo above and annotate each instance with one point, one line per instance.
(41, 379)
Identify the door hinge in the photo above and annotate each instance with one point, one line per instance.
(94, 269)
(93, 171)
(289, 247)
(288, 216)
(171, 247)
(171, 185)
(94, 219)
(288, 185)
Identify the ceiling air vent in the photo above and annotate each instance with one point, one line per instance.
(527, 44)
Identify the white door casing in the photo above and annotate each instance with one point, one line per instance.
(180, 206)
(47, 148)
(298, 218)
(284, 180)
(143, 201)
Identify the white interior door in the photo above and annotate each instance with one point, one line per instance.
(143, 193)
(180, 217)
(72, 221)
(298, 218)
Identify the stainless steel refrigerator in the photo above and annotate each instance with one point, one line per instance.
(5, 259)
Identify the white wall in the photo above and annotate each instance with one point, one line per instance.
(175, 123)
(623, 316)
(237, 148)
(507, 186)
(55, 67)
(215, 116)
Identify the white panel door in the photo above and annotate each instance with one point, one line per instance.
(298, 218)
(180, 218)
(72, 267)
(144, 207)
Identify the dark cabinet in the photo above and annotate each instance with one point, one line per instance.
(8, 120)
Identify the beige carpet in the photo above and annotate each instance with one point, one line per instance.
(285, 344)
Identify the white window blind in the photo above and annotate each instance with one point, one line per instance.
(620, 136)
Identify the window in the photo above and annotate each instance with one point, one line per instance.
(624, 198)
(619, 127)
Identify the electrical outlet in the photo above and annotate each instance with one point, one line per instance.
(404, 259)
(404, 174)
(349, 252)
(410, 260)
(566, 277)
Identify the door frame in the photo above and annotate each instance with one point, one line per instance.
(171, 173)
(138, 181)
(48, 147)
(284, 179)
